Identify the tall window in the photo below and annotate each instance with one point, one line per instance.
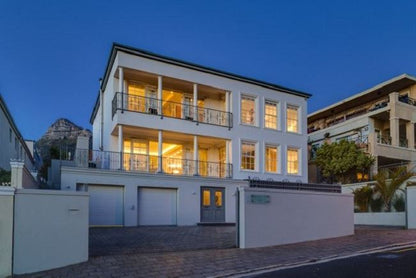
(293, 161)
(292, 118)
(248, 110)
(248, 155)
(271, 156)
(10, 135)
(270, 114)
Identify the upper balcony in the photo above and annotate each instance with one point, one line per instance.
(171, 109)
(162, 96)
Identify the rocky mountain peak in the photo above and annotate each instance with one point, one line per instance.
(65, 129)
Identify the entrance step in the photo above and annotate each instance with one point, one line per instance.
(215, 224)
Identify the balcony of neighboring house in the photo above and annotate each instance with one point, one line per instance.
(146, 93)
(148, 151)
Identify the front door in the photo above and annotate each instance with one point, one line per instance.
(212, 204)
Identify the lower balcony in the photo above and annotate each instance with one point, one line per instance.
(142, 163)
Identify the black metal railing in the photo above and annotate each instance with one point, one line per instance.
(407, 100)
(154, 106)
(386, 140)
(134, 162)
(295, 185)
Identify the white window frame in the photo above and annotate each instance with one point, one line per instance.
(288, 105)
(298, 149)
(278, 159)
(278, 126)
(256, 155)
(256, 109)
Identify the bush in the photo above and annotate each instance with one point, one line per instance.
(5, 176)
(362, 197)
(376, 204)
(399, 204)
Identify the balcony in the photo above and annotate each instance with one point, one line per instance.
(148, 105)
(142, 163)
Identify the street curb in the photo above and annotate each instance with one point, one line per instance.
(312, 261)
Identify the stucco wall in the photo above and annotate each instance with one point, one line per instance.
(51, 229)
(380, 218)
(6, 230)
(293, 216)
(411, 207)
(188, 190)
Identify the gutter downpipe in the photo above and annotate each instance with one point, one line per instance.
(102, 116)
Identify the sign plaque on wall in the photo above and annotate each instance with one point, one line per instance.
(259, 199)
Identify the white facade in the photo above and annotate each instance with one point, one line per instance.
(12, 144)
(157, 118)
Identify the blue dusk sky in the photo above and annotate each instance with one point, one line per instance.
(52, 53)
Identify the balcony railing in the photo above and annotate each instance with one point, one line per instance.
(386, 140)
(131, 162)
(148, 105)
(408, 100)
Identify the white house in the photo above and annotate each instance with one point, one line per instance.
(172, 140)
(12, 145)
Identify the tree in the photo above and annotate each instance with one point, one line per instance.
(386, 187)
(341, 161)
(5, 176)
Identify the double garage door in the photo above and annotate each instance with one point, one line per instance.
(155, 206)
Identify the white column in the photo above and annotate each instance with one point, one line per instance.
(227, 108)
(120, 144)
(120, 80)
(394, 131)
(159, 93)
(227, 159)
(195, 102)
(196, 156)
(410, 135)
(17, 173)
(160, 152)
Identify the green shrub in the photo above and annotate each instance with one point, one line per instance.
(5, 176)
(376, 204)
(362, 197)
(399, 204)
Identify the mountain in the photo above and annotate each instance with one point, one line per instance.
(59, 139)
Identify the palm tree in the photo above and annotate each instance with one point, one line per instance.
(362, 197)
(388, 187)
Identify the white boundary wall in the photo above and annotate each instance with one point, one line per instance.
(411, 207)
(292, 216)
(380, 218)
(50, 229)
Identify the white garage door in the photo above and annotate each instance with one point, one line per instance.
(106, 205)
(156, 206)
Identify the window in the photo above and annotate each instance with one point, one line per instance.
(248, 156)
(248, 110)
(206, 198)
(10, 135)
(271, 159)
(292, 119)
(270, 114)
(293, 161)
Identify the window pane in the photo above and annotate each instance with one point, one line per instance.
(292, 119)
(270, 115)
(248, 156)
(293, 161)
(271, 159)
(206, 198)
(218, 198)
(248, 114)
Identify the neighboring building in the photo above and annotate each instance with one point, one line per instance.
(173, 140)
(381, 120)
(12, 144)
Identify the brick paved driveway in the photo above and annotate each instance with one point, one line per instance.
(133, 240)
(221, 261)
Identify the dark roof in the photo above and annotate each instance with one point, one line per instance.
(149, 55)
(9, 117)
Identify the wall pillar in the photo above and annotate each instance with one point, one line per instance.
(196, 156)
(160, 152)
(120, 144)
(394, 131)
(410, 135)
(160, 94)
(17, 173)
(195, 102)
(6, 230)
(120, 80)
